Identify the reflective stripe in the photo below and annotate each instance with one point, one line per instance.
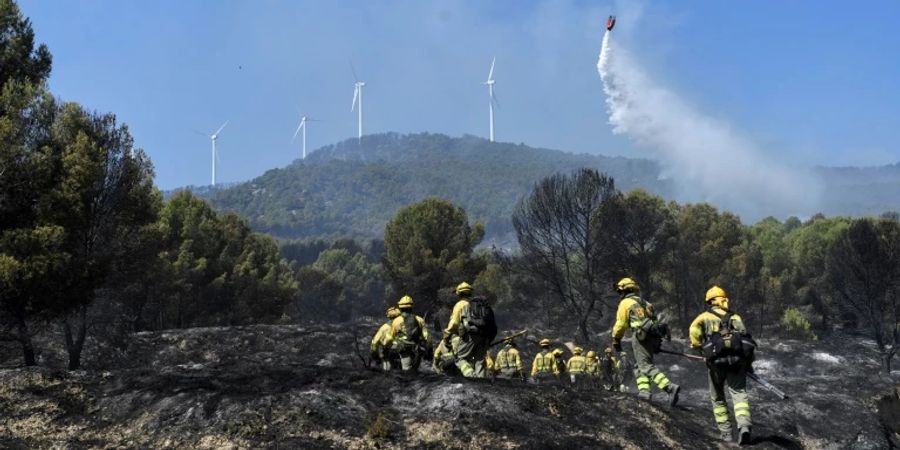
(643, 383)
(721, 413)
(661, 380)
(742, 409)
(544, 363)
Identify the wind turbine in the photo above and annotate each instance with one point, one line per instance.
(492, 98)
(357, 95)
(215, 156)
(302, 125)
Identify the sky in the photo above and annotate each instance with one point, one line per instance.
(808, 85)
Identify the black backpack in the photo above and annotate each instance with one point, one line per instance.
(480, 319)
(729, 343)
(411, 327)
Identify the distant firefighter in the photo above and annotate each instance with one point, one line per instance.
(380, 347)
(508, 363)
(409, 336)
(472, 322)
(544, 367)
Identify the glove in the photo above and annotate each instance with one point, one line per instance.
(617, 346)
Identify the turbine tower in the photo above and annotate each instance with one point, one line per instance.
(358, 98)
(215, 156)
(302, 125)
(492, 99)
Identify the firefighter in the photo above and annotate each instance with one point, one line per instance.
(379, 351)
(636, 314)
(508, 363)
(544, 365)
(409, 336)
(717, 333)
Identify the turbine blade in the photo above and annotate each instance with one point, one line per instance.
(201, 133)
(295, 132)
(491, 73)
(494, 98)
(220, 129)
(355, 96)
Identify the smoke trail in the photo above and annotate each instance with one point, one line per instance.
(709, 160)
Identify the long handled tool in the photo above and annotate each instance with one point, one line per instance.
(762, 382)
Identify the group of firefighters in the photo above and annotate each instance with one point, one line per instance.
(717, 334)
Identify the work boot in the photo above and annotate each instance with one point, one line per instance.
(644, 394)
(744, 436)
(725, 435)
(673, 389)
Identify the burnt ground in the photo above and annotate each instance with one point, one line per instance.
(305, 387)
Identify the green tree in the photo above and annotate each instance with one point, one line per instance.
(428, 246)
(218, 272)
(19, 59)
(103, 197)
(705, 242)
(640, 227)
(809, 247)
(31, 250)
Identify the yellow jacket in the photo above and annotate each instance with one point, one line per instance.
(709, 322)
(632, 313)
(592, 366)
(544, 362)
(380, 337)
(576, 364)
(454, 326)
(398, 333)
(508, 358)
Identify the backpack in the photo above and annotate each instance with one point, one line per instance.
(728, 343)
(411, 328)
(479, 319)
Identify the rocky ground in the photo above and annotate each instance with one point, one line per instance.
(305, 387)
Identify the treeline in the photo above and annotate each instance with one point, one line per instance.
(578, 234)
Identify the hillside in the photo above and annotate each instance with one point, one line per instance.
(296, 386)
(352, 188)
(859, 191)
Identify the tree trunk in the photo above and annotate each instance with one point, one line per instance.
(24, 338)
(74, 345)
(583, 329)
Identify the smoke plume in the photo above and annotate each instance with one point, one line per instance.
(707, 159)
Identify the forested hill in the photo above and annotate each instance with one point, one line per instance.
(860, 191)
(353, 188)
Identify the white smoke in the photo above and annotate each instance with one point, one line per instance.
(705, 157)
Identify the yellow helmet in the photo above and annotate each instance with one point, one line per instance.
(557, 352)
(608, 350)
(544, 342)
(591, 354)
(392, 312)
(715, 292)
(405, 302)
(627, 285)
(463, 289)
(577, 350)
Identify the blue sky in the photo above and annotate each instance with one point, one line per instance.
(811, 84)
